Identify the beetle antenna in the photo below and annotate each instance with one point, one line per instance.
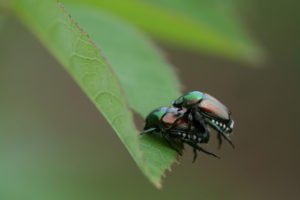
(150, 130)
(219, 141)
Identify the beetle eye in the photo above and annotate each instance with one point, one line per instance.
(213, 107)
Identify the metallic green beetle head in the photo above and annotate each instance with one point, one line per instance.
(156, 117)
(188, 100)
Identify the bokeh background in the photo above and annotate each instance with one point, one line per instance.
(55, 145)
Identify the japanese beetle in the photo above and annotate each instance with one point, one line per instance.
(203, 109)
(173, 127)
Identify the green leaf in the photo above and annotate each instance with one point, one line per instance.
(210, 26)
(81, 57)
(147, 79)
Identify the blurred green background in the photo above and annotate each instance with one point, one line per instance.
(55, 145)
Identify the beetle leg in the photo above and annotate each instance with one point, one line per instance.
(195, 154)
(222, 134)
(200, 123)
(219, 140)
(200, 120)
(171, 144)
(150, 130)
(194, 145)
(227, 139)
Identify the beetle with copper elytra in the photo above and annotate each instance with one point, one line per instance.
(202, 110)
(173, 127)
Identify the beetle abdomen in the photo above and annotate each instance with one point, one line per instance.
(185, 136)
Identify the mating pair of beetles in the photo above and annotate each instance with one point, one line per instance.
(188, 121)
